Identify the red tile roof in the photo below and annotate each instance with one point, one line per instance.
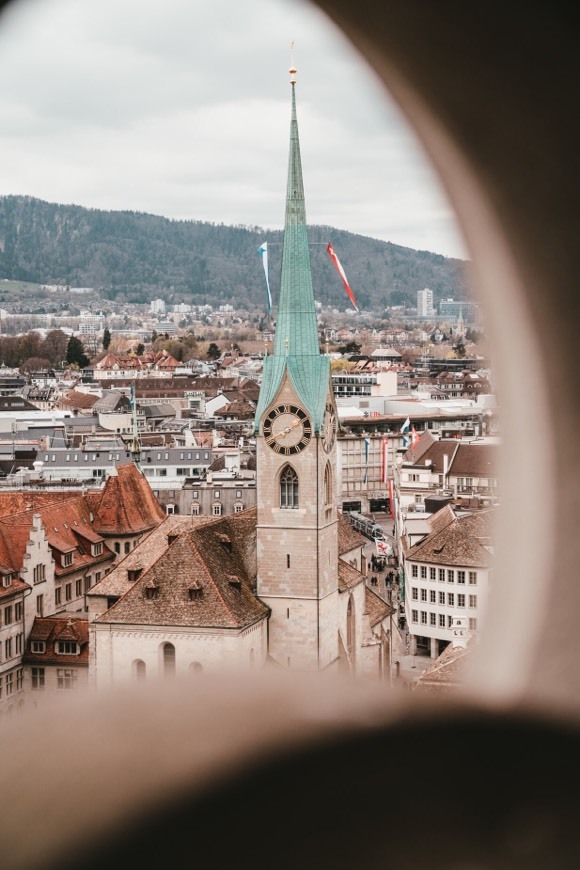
(51, 629)
(126, 505)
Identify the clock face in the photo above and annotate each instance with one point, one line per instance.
(328, 430)
(287, 429)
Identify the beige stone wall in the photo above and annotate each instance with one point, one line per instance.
(297, 553)
(37, 553)
(117, 648)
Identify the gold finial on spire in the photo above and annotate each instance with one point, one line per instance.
(292, 69)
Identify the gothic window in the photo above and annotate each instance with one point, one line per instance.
(349, 625)
(328, 484)
(288, 488)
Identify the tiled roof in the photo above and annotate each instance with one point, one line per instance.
(204, 578)
(116, 582)
(348, 576)
(348, 538)
(462, 542)
(435, 452)
(58, 628)
(239, 409)
(112, 400)
(446, 673)
(15, 502)
(417, 451)
(77, 399)
(62, 519)
(126, 505)
(375, 607)
(476, 460)
(17, 585)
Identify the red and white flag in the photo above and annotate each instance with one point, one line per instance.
(384, 460)
(340, 271)
(383, 548)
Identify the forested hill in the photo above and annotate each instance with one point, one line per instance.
(140, 256)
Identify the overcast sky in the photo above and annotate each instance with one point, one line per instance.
(181, 108)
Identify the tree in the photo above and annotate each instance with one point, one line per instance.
(350, 347)
(35, 364)
(459, 350)
(75, 353)
(54, 346)
(106, 338)
(213, 351)
(140, 349)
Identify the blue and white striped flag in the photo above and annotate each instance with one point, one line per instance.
(263, 251)
(404, 429)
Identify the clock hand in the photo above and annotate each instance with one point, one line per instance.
(285, 431)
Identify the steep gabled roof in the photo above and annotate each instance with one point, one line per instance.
(348, 538)
(116, 582)
(51, 629)
(435, 452)
(126, 504)
(475, 460)
(447, 672)
(417, 450)
(62, 519)
(463, 542)
(348, 576)
(205, 578)
(375, 608)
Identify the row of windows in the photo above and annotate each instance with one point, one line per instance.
(438, 619)
(442, 574)
(82, 585)
(216, 509)
(13, 682)
(62, 647)
(115, 457)
(217, 493)
(11, 613)
(66, 678)
(13, 646)
(443, 598)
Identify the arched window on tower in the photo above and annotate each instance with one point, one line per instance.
(288, 488)
(328, 484)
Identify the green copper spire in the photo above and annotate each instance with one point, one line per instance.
(296, 347)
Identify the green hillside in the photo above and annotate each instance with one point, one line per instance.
(141, 256)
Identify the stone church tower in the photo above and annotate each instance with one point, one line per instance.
(295, 427)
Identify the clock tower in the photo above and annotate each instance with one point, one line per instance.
(295, 428)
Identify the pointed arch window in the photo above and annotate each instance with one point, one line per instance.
(328, 484)
(350, 625)
(288, 488)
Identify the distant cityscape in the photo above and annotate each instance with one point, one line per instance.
(191, 489)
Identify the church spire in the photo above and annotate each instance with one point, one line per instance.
(296, 348)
